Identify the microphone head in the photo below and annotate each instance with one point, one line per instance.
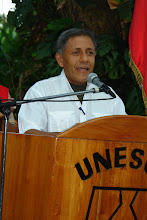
(91, 77)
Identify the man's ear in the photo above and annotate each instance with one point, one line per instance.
(59, 59)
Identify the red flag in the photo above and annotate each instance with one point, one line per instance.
(4, 92)
(138, 45)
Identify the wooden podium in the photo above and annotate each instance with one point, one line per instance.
(94, 171)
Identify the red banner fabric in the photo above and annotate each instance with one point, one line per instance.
(138, 45)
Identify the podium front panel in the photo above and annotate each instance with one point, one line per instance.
(68, 177)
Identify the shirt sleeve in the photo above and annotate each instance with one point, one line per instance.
(32, 115)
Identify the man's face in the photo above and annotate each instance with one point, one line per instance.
(78, 59)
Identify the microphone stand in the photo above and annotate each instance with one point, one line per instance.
(6, 113)
(5, 109)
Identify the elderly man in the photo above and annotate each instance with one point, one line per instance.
(75, 53)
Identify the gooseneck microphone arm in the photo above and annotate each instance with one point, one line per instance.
(20, 102)
(93, 78)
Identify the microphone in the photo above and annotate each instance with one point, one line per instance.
(93, 78)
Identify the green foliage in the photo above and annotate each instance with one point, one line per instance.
(125, 10)
(110, 55)
(18, 17)
(10, 60)
(112, 65)
(46, 47)
(60, 24)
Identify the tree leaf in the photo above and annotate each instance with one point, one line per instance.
(59, 24)
(44, 50)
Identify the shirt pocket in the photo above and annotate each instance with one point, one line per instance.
(59, 121)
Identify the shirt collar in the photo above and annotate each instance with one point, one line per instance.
(65, 80)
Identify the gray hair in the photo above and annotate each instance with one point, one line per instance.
(73, 32)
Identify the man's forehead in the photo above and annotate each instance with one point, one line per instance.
(80, 41)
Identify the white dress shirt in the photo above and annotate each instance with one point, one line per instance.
(59, 116)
